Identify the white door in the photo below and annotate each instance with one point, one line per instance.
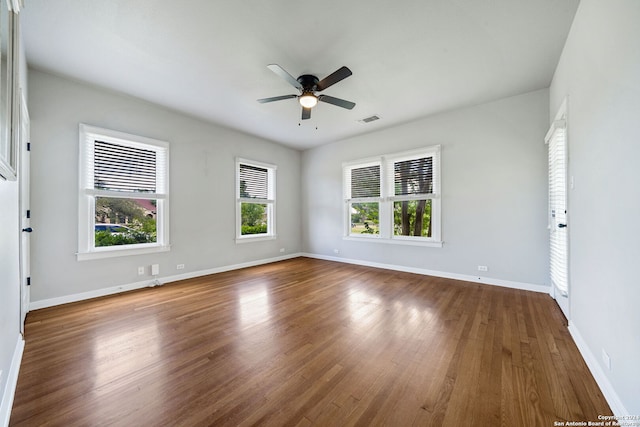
(25, 210)
(558, 234)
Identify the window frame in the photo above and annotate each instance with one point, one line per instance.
(347, 174)
(388, 197)
(270, 201)
(87, 194)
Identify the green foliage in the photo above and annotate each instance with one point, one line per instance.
(368, 229)
(253, 214)
(117, 211)
(365, 218)
(137, 227)
(406, 218)
(107, 238)
(148, 226)
(254, 229)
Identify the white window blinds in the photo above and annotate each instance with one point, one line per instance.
(365, 182)
(254, 182)
(414, 176)
(122, 168)
(558, 243)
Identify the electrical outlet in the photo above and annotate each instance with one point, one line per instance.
(155, 269)
(281, 250)
(606, 359)
(180, 267)
(483, 268)
(336, 251)
(140, 271)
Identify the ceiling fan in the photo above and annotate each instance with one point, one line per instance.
(308, 85)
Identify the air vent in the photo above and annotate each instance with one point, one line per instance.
(369, 119)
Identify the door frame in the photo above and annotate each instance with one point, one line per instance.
(22, 126)
(563, 300)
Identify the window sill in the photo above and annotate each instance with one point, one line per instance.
(120, 251)
(254, 238)
(407, 242)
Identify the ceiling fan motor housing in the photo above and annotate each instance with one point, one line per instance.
(308, 82)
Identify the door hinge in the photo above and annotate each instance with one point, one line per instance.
(28, 213)
(28, 146)
(28, 281)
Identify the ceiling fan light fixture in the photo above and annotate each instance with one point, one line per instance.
(308, 100)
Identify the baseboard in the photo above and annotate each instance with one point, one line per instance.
(598, 373)
(12, 382)
(35, 305)
(446, 275)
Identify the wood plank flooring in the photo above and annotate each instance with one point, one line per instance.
(305, 342)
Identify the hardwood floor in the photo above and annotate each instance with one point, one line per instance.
(305, 342)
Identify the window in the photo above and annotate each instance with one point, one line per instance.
(255, 196)
(8, 148)
(363, 199)
(124, 197)
(394, 198)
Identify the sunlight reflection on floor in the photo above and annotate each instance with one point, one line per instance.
(254, 306)
(126, 351)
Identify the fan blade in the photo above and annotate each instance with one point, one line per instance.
(333, 78)
(276, 98)
(306, 113)
(337, 101)
(282, 73)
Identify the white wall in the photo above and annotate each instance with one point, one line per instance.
(599, 72)
(202, 183)
(9, 288)
(494, 184)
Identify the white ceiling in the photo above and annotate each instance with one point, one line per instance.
(208, 58)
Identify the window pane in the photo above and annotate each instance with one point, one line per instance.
(122, 168)
(365, 218)
(412, 218)
(365, 182)
(413, 176)
(254, 218)
(121, 221)
(253, 182)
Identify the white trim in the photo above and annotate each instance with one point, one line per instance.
(422, 196)
(363, 163)
(476, 279)
(91, 133)
(15, 5)
(247, 238)
(35, 305)
(598, 373)
(107, 193)
(256, 163)
(12, 382)
(365, 200)
(395, 240)
(557, 124)
(123, 250)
